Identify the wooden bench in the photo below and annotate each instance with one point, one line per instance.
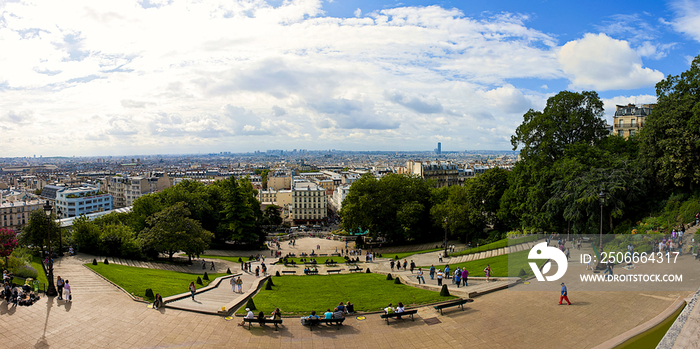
(310, 263)
(288, 272)
(315, 322)
(329, 264)
(323, 255)
(290, 264)
(333, 271)
(263, 322)
(358, 269)
(312, 272)
(397, 315)
(458, 303)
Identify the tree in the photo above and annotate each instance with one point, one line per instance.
(171, 230)
(271, 215)
(86, 234)
(37, 230)
(568, 118)
(670, 141)
(240, 213)
(8, 243)
(395, 207)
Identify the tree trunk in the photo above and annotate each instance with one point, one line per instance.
(170, 256)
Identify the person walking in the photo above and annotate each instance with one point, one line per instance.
(413, 266)
(192, 289)
(59, 284)
(204, 265)
(420, 276)
(212, 266)
(465, 276)
(458, 277)
(239, 283)
(233, 284)
(392, 265)
(564, 294)
(432, 272)
(487, 272)
(66, 289)
(439, 277)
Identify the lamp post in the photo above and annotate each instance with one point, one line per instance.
(445, 243)
(601, 196)
(51, 290)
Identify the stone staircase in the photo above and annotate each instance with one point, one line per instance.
(492, 253)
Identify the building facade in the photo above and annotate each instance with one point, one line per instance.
(629, 119)
(72, 202)
(15, 215)
(309, 204)
(442, 173)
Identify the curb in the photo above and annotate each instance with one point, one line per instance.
(231, 310)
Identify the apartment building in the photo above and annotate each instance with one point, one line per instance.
(339, 195)
(15, 214)
(74, 201)
(629, 119)
(442, 173)
(309, 203)
(126, 190)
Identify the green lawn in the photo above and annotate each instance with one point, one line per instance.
(405, 255)
(230, 259)
(500, 265)
(299, 295)
(498, 244)
(36, 264)
(137, 280)
(320, 260)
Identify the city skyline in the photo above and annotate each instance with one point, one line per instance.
(171, 77)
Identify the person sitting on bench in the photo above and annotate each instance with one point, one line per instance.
(328, 314)
(338, 314)
(312, 316)
(261, 317)
(400, 309)
(276, 314)
(249, 315)
(389, 309)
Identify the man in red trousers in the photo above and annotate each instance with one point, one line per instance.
(564, 294)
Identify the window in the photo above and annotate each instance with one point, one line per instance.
(632, 124)
(621, 133)
(631, 132)
(622, 123)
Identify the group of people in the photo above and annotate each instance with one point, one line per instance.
(459, 276)
(17, 295)
(275, 315)
(405, 265)
(236, 283)
(310, 270)
(391, 310)
(338, 312)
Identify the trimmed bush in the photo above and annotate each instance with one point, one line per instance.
(206, 276)
(250, 304)
(367, 271)
(199, 280)
(240, 260)
(106, 261)
(388, 277)
(228, 271)
(444, 291)
(396, 257)
(268, 284)
(522, 272)
(397, 281)
(149, 293)
(277, 273)
(94, 261)
(269, 281)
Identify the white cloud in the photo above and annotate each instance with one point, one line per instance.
(600, 62)
(358, 12)
(687, 18)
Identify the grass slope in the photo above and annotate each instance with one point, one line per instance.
(137, 280)
(503, 265)
(299, 295)
(498, 244)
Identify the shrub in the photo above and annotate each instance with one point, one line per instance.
(250, 304)
(388, 277)
(106, 261)
(277, 273)
(367, 271)
(240, 260)
(268, 284)
(206, 276)
(228, 271)
(396, 257)
(522, 272)
(269, 281)
(94, 261)
(26, 271)
(444, 291)
(149, 293)
(397, 281)
(199, 280)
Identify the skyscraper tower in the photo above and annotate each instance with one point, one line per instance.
(439, 149)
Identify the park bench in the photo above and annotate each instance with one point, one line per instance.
(310, 263)
(323, 255)
(333, 271)
(397, 315)
(331, 264)
(357, 269)
(315, 322)
(288, 272)
(312, 272)
(292, 264)
(458, 303)
(263, 322)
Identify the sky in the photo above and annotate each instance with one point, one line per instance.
(87, 78)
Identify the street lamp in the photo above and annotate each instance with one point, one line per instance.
(51, 290)
(445, 237)
(601, 196)
(60, 236)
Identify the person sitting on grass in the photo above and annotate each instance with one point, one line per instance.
(249, 315)
(338, 314)
(328, 314)
(341, 307)
(349, 308)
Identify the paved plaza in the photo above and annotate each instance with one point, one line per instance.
(102, 316)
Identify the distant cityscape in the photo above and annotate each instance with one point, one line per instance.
(308, 185)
